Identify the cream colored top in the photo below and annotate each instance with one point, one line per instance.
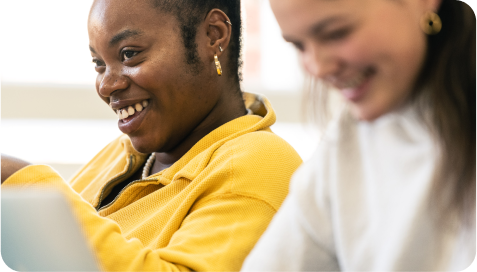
(361, 204)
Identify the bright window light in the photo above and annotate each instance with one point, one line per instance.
(46, 42)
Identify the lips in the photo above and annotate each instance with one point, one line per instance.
(131, 110)
(355, 87)
(130, 114)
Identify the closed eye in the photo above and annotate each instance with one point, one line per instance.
(298, 46)
(337, 34)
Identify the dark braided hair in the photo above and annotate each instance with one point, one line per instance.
(190, 13)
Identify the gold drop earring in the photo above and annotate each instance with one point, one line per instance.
(217, 64)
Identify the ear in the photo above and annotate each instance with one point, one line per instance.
(218, 32)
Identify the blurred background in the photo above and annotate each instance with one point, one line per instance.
(50, 112)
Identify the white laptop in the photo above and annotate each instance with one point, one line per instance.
(40, 233)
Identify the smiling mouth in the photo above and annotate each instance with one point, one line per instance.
(356, 87)
(130, 111)
(356, 81)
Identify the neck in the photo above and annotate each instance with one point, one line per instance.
(227, 108)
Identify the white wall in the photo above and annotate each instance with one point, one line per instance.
(50, 111)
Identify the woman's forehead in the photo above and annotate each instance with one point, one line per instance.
(299, 15)
(115, 23)
(120, 13)
(116, 20)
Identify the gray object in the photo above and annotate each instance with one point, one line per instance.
(40, 233)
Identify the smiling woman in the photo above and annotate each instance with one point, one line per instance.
(198, 174)
(131, 52)
(391, 186)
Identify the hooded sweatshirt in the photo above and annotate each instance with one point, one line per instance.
(204, 213)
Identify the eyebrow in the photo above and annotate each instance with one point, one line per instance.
(120, 37)
(319, 27)
(125, 34)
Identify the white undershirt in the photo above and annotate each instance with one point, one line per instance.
(361, 204)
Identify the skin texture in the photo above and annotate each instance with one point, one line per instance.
(149, 63)
(146, 60)
(10, 165)
(379, 40)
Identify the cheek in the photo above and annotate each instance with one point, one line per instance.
(400, 61)
(143, 75)
(357, 53)
(308, 62)
(151, 78)
(99, 78)
(155, 71)
(164, 81)
(399, 45)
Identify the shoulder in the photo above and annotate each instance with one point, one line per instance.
(260, 165)
(263, 144)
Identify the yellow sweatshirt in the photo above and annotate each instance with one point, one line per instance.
(204, 213)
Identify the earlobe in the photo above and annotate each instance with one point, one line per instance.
(218, 32)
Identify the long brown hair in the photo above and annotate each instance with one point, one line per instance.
(444, 95)
(446, 89)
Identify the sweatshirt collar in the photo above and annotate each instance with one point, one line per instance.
(197, 158)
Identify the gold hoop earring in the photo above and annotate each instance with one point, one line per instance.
(431, 23)
(217, 64)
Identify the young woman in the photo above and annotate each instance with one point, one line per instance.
(392, 185)
(198, 175)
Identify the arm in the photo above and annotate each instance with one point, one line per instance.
(217, 234)
(288, 245)
(10, 165)
(300, 236)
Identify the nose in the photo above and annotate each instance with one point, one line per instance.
(110, 82)
(319, 63)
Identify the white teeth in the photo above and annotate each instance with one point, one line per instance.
(131, 110)
(124, 114)
(355, 82)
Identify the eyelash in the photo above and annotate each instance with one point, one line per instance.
(100, 63)
(125, 58)
(331, 36)
(298, 46)
(336, 35)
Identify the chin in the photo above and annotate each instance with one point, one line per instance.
(365, 113)
(142, 146)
